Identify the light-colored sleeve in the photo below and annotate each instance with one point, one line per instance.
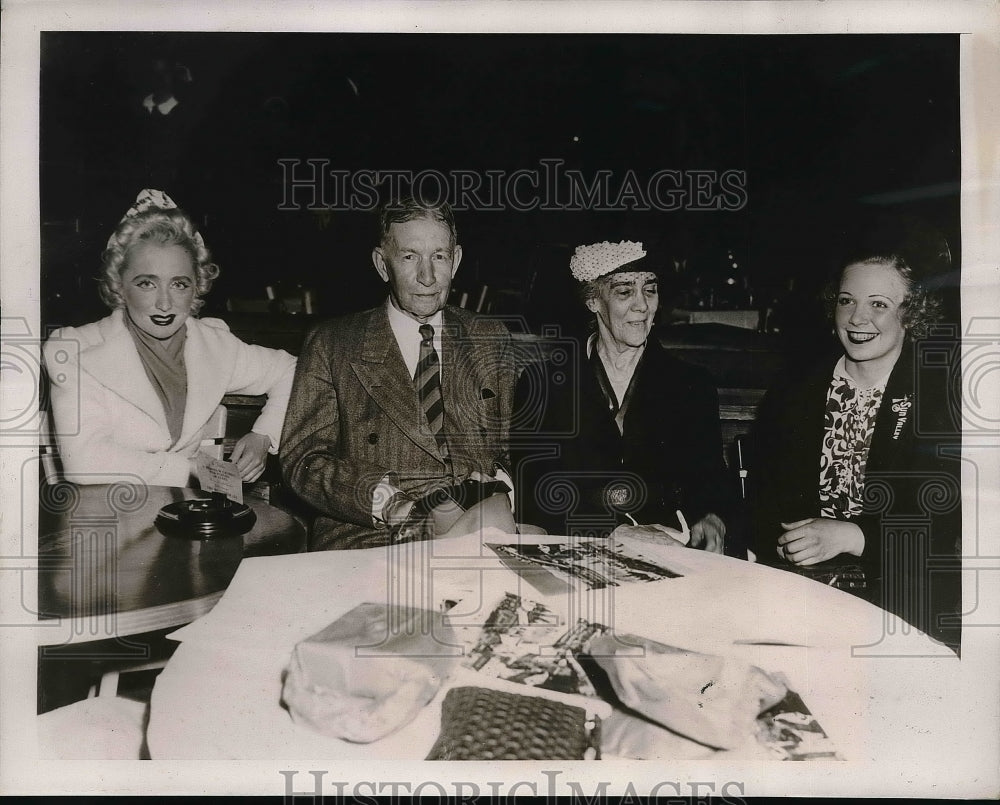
(382, 494)
(84, 421)
(260, 370)
(502, 475)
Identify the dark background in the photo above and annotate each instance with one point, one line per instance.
(829, 130)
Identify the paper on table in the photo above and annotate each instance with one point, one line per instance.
(215, 475)
(279, 599)
(275, 600)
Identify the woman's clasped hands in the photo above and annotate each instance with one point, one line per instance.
(817, 539)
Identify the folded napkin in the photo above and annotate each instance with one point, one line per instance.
(369, 672)
(709, 699)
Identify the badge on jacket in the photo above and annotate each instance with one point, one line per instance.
(901, 407)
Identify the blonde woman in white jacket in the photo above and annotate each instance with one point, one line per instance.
(131, 394)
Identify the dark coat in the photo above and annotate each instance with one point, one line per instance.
(568, 451)
(912, 518)
(355, 417)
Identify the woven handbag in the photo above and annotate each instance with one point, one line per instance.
(485, 724)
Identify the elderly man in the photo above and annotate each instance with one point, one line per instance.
(399, 415)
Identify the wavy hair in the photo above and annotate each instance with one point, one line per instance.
(162, 227)
(920, 309)
(410, 208)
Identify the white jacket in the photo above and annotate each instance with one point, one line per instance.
(108, 419)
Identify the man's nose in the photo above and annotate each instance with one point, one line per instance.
(425, 273)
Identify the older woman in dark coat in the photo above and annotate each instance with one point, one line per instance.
(620, 433)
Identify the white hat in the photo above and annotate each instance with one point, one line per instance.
(590, 262)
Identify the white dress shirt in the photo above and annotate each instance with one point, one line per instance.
(407, 332)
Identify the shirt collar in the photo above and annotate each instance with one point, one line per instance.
(405, 327)
(840, 373)
(165, 108)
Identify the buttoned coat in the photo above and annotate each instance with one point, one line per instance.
(355, 419)
(109, 421)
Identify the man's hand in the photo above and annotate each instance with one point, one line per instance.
(250, 456)
(406, 525)
(708, 534)
(816, 539)
(397, 509)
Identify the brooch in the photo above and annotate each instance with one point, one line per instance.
(901, 407)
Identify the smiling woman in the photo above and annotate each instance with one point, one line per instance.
(133, 394)
(844, 455)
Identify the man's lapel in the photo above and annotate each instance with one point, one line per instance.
(455, 365)
(381, 371)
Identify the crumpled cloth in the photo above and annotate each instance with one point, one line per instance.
(370, 671)
(709, 699)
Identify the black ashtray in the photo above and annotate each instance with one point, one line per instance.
(205, 518)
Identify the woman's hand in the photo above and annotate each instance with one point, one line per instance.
(816, 539)
(656, 533)
(708, 534)
(250, 456)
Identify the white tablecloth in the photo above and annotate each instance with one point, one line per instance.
(879, 696)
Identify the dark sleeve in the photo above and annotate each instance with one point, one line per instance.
(506, 379)
(710, 487)
(776, 454)
(913, 516)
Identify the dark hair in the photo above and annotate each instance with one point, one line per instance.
(920, 309)
(591, 289)
(409, 208)
(165, 228)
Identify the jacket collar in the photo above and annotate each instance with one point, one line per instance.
(115, 363)
(382, 372)
(897, 414)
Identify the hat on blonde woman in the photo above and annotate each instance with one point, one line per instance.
(591, 262)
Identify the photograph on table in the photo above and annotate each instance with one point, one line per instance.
(714, 703)
(791, 732)
(592, 563)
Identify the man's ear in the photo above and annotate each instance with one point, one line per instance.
(378, 258)
(456, 258)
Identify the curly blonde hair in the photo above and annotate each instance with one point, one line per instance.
(920, 309)
(162, 227)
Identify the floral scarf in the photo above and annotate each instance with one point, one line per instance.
(849, 422)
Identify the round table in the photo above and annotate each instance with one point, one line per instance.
(108, 571)
(880, 693)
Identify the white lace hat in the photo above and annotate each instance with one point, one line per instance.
(590, 262)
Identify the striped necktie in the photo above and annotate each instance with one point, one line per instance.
(428, 382)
